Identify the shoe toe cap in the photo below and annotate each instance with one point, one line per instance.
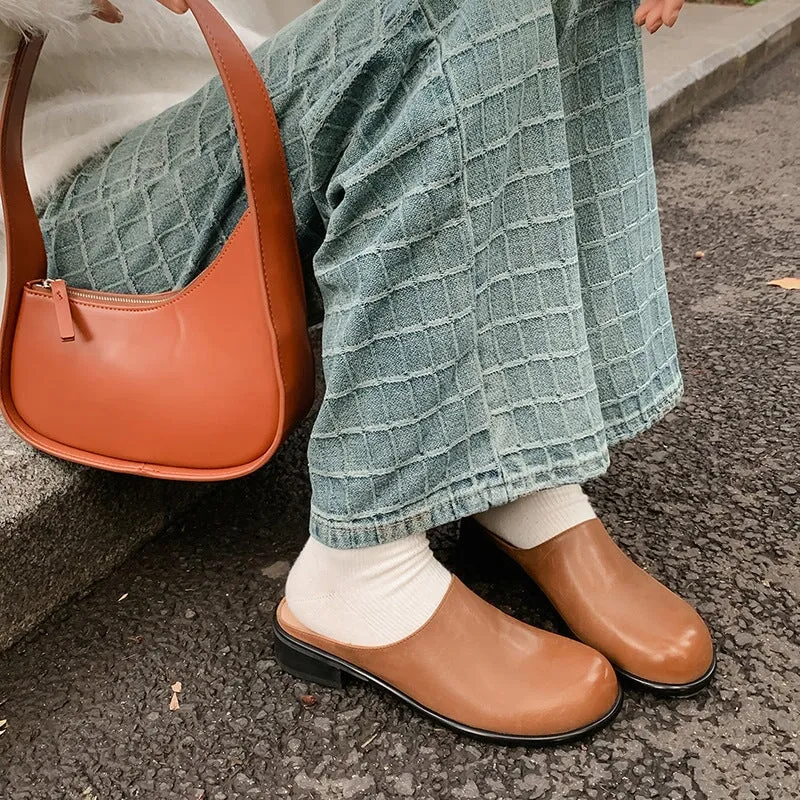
(689, 656)
(597, 691)
(579, 690)
(683, 655)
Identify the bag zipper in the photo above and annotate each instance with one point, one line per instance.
(106, 297)
(61, 295)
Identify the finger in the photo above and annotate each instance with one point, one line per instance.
(644, 9)
(178, 6)
(653, 20)
(671, 12)
(107, 11)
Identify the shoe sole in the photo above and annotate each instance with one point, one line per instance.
(309, 663)
(671, 689)
(682, 690)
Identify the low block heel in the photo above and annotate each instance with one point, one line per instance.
(306, 665)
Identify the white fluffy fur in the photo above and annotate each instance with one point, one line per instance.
(96, 81)
(43, 15)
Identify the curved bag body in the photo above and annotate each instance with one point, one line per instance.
(203, 383)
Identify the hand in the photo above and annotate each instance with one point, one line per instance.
(655, 13)
(108, 12)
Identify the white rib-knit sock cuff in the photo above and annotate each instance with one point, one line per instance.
(370, 596)
(536, 518)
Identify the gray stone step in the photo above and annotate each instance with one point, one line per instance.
(63, 526)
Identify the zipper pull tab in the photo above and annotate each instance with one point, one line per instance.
(66, 328)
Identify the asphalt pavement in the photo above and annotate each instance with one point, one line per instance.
(708, 501)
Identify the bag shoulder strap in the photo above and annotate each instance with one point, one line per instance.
(265, 172)
(26, 258)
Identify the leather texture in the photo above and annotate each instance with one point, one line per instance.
(199, 384)
(615, 606)
(473, 664)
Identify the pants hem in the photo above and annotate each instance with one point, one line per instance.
(452, 507)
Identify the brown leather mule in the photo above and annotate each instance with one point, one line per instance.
(652, 637)
(472, 668)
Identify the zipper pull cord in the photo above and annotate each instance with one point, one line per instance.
(66, 327)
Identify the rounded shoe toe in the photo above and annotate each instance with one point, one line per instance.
(578, 691)
(685, 654)
(595, 692)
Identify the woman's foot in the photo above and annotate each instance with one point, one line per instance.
(649, 634)
(466, 664)
(370, 596)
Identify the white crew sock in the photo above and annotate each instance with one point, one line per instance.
(531, 520)
(371, 596)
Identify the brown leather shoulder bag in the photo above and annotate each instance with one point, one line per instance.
(198, 384)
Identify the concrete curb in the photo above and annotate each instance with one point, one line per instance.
(62, 527)
(745, 43)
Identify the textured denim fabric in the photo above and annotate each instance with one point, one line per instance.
(475, 198)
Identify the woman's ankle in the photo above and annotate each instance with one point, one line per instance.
(536, 518)
(371, 596)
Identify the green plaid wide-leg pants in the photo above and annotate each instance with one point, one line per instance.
(475, 200)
